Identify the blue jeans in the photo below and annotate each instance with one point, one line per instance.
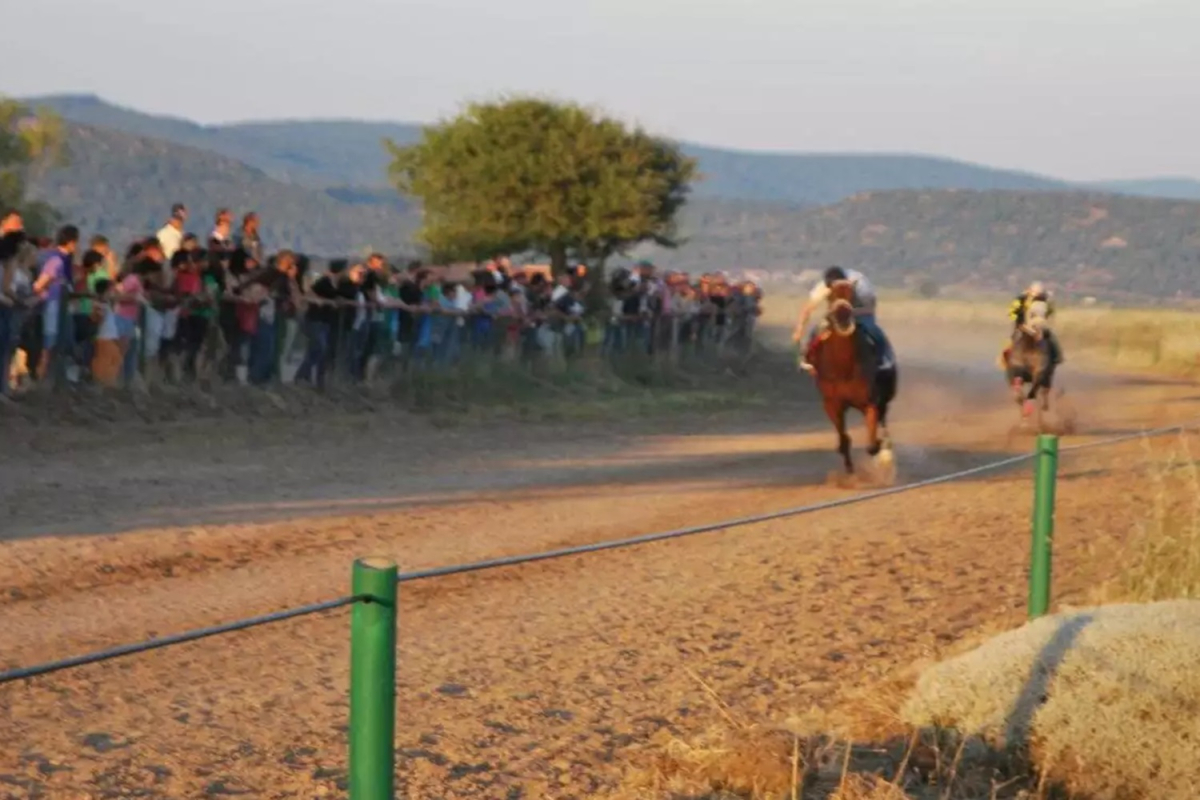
(262, 353)
(867, 323)
(127, 329)
(316, 354)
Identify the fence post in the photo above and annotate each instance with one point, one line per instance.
(1045, 478)
(373, 681)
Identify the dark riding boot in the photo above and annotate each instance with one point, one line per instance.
(881, 348)
(1053, 349)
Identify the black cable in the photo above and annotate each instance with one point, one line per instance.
(509, 561)
(178, 638)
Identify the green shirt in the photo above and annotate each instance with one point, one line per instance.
(210, 293)
(85, 304)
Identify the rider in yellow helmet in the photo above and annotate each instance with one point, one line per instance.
(1018, 310)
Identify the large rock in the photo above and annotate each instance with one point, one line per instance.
(1107, 699)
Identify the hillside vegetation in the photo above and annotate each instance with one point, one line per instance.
(1107, 245)
(124, 185)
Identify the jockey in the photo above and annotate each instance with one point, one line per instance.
(864, 312)
(1018, 312)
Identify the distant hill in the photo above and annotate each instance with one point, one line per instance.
(123, 185)
(1175, 188)
(1103, 244)
(755, 211)
(347, 153)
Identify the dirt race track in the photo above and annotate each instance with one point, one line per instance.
(539, 681)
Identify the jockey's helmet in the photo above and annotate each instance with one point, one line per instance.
(1036, 288)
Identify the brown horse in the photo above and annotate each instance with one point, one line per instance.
(1027, 365)
(847, 375)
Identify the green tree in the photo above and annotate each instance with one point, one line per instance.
(29, 141)
(531, 175)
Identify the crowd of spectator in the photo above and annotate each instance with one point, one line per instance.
(176, 308)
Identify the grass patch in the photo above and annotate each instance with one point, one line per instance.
(1163, 554)
(1162, 341)
(781, 764)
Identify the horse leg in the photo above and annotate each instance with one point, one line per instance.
(872, 418)
(836, 411)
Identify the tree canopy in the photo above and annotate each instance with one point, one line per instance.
(526, 175)
(28, 141)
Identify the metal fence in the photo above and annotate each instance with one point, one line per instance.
(374, 598)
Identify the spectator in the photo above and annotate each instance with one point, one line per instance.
(194, 290)
(378, 345)
(410, 296)
(158, 300)
(277, 282)
(221, 250)
(354, 321)
(53, 286)
(91, 272)
(107, 355)
(129, 299)
(170, 236)
(293, 307)
(16, 290)
(319, 320)
(108, 265)
(247, 245)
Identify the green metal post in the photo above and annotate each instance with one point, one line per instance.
(1045, 478)
(373, 681)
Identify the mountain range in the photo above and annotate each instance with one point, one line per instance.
(320, 186)
(325, 153)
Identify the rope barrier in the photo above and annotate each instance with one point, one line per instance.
(178, 638)
(509, 561)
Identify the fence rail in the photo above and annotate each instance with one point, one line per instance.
(375, 601)
(226, 334)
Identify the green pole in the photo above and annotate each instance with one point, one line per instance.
(373, 681)
(1045, 478)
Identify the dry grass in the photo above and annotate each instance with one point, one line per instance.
(1163, 555)
(769, 764)
(1159, 340)
(1104, 699)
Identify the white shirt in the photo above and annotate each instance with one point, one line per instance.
(171, 239)
(864, 292)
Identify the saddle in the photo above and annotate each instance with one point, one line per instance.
(871, 352)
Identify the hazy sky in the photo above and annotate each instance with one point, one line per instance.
(1082, 89)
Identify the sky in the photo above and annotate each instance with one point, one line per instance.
(1076, 89)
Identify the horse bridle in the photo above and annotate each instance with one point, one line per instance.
(834, 308)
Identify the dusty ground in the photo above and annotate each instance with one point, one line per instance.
(538, 681)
